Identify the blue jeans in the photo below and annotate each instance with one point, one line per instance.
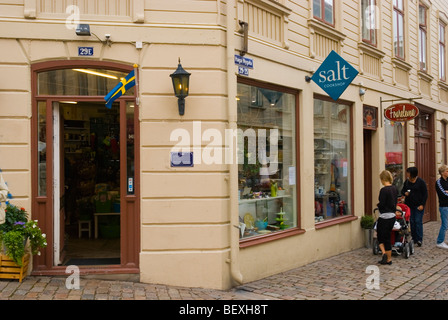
(444, 226)
(417, 224)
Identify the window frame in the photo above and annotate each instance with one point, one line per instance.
(399, 12)
(423, 35)
(373, 31)
(442, 51)
(322, 13)
(351, 216)
(443, 141)
(248, 242)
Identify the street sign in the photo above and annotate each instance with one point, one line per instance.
(244, 62)
(334, 75)
(401, 112)
(243, 71)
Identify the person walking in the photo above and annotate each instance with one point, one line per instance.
(416, 194)
(387, 206)
(442, 193)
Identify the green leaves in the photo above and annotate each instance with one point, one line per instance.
(14, 245)
(16, 230)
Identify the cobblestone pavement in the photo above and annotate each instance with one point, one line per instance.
(423, 276)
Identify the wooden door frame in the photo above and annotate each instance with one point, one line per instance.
(368, 179)
(431, 161)
(42, 206)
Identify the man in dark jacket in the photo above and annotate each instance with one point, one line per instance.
(416, 193)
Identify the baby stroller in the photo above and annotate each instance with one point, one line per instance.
(402, 244)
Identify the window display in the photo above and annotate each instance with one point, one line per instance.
(394, 138)
(267, 160)
(332, 160)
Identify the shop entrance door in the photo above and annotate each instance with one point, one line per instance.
(86, 187)
(84, 163)
(425, 158)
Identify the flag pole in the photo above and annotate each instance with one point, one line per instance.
(137, 100)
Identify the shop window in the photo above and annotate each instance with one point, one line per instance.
(394, 139)
(266, 160)
(332, 160)
(79, 82)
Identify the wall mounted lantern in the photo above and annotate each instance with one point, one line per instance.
(181, 79)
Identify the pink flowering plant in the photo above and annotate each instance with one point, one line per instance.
(15, 232)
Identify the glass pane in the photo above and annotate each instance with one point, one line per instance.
(329, 11)
(130, 147)
(332, 161)
(422, 36)
(394, 139)
(395, 27)
(317, 8)
(442, 62)
(400, 37)
(422, 15)
(365, 19)
(442, 33)
(267, 161)
(79, 82)
(42, 148)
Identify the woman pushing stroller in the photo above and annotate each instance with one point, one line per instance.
(387, 207)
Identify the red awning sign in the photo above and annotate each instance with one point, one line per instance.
(401, 112)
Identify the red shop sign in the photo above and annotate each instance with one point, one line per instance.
(401, 112)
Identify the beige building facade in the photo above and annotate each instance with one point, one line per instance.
(281, 174)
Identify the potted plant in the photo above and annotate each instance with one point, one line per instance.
(16, 231)
(367, 223)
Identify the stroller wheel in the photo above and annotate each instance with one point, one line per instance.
(407, 250)
(411, 247)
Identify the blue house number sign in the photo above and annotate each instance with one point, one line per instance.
(85, 51)
(334, 75)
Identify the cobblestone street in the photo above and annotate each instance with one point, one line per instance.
(423, 276)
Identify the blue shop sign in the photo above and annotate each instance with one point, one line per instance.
(334, 75)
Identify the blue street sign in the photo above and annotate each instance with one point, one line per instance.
(244, 62)
(334, 75)
(85, 51)
(243, 71)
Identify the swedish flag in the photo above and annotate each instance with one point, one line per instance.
(125, 84)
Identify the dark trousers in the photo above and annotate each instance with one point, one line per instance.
(384, 231)
(416, 224)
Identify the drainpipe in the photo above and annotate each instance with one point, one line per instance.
(233, 168)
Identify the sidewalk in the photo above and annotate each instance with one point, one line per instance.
(423, 276)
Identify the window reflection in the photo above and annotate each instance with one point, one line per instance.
(79, 82)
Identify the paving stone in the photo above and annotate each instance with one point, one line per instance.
(423, 276)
